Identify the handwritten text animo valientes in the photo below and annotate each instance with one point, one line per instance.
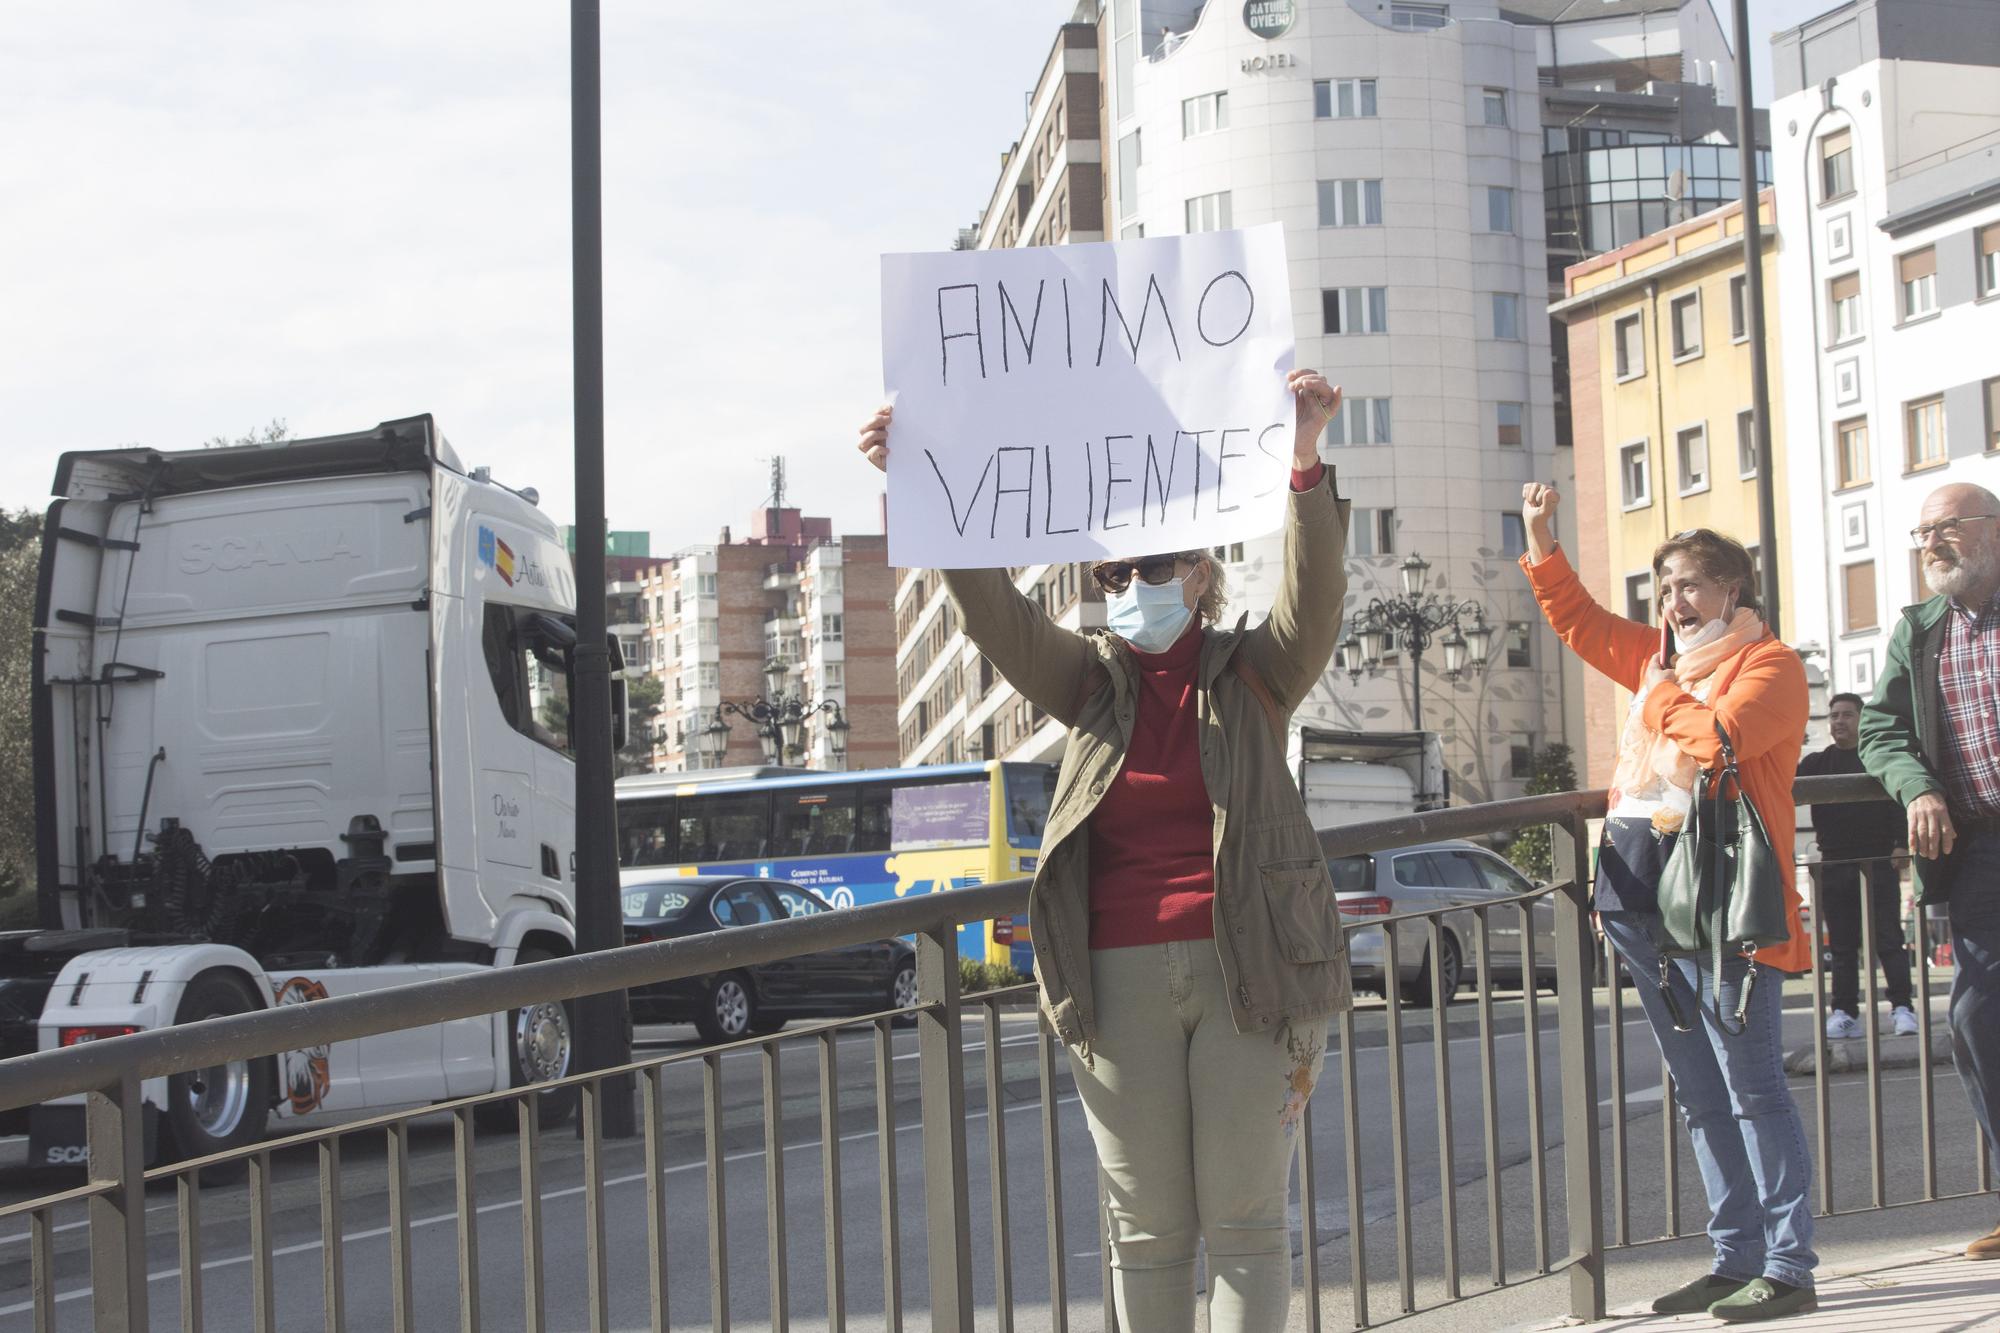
(1074, 402)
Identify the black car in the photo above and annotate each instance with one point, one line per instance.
(755, 1001)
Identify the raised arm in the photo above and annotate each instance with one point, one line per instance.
(1609, 642)
(1054, 668)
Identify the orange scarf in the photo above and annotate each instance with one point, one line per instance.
(1651, 769)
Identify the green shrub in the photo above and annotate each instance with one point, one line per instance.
(18, 911)
(975, 976)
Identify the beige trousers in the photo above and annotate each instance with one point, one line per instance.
(1195, 1126)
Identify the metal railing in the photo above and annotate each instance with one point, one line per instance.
(1512, 1162)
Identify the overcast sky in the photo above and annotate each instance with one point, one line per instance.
(218, 213)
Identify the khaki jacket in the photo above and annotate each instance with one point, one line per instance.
(1277, 930)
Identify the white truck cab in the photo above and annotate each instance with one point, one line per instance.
(297, 733)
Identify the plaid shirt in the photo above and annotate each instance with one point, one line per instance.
(1969, 681)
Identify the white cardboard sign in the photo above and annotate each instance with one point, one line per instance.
(1079, 402)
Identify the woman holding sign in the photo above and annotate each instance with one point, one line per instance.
(1187, 944)
(1712, 662)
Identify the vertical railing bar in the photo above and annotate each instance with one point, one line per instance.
(263, 1297)
(885, 1133)
(333, 1252)
(1670, 1157)
(1045, 1068)
(1350, 1118)
(187, 1190)
(1489, 1102)
(1871, 1032)
(42, 1270)
(829, 1156)
(1398, 1129)
(1926, 1103)
(1531, 1031)
(115, 1154)
(1982, 1156)
(774, 1189)
(941, 1090)
(1822, 1093)
(718, 1230)
(596, 1263)
(466, 1192)
(1446, 1141)
(996, 1166)
(1621, 1194)
(1583, 1170)
(1309, 1218)
(402, 1272)
(653, 1103)
(529, 1144)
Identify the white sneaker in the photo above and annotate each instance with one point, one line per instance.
(1905, 1020)
(1840, 1023)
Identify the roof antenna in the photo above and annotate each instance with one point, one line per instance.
(777, 500)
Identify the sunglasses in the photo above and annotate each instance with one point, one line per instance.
(1115, 576)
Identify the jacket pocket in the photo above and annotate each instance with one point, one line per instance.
(1299, 896)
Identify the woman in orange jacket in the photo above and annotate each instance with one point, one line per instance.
(1727, 668)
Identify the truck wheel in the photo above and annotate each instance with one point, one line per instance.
(540, 1046)
(903, 992)
(223, 1107)
(728, 1012)
(1417, 993)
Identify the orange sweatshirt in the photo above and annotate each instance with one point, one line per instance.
(1759, 696)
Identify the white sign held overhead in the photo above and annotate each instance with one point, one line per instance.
(1078, 402)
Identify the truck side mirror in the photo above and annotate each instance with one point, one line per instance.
(621, 714)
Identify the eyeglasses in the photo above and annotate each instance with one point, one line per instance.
(1115, 576)
(1945, 529)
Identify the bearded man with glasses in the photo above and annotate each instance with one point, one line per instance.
(1931, 736)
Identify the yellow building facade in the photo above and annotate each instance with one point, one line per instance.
(1660, 417)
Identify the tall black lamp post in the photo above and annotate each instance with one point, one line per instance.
(1410, 623)
(778, 719)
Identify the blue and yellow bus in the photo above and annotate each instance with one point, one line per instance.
(853, 838)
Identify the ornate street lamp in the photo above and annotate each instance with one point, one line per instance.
(1412, 622)
(778, 720)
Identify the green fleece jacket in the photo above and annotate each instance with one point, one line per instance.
(1902, 728)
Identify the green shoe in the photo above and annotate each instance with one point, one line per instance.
(1761, 1299)
(1697, 1295)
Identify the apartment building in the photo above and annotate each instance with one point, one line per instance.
(1888, 168)
(1659, 345)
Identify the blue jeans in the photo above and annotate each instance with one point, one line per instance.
(1748, 1139)
(1975, 980)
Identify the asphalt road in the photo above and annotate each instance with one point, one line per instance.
(1380, 1143)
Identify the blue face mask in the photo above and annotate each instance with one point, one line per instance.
(1149, 616)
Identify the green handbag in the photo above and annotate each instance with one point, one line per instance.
(1723, 889)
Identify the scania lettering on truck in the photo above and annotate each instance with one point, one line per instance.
(290, 742)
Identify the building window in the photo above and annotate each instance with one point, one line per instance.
(1350, 203)
(1917, 272)
(1691, 448)
(1513, 535)
(1992, 388)
(1412, 17)
(705, 585)
(1208, 212)
(1372, 532)
(1836, 166)
(1204, 115)
(1359, 421)
(1512, 428)
(1629, 347)
(1520, 644)
(1232, 552)
(1989, 260)
(1923, 434)
(1128, 175)
(708, 676)
(830, 628)
(1354, 309)
(1639, 597)
(1495, 100)
(1521, 759)
(1739, 310)
(1684, 313)
(1859, 612)
(1844, 292)
(1344, 99)
(1851, 453)
(1635, 476)
(1507, 316)
(1746, 443)
(1499, 209)
(833, 675)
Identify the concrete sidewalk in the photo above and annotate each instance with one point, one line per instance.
(1931, 1289)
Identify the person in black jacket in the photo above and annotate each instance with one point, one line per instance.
(1857, 840)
